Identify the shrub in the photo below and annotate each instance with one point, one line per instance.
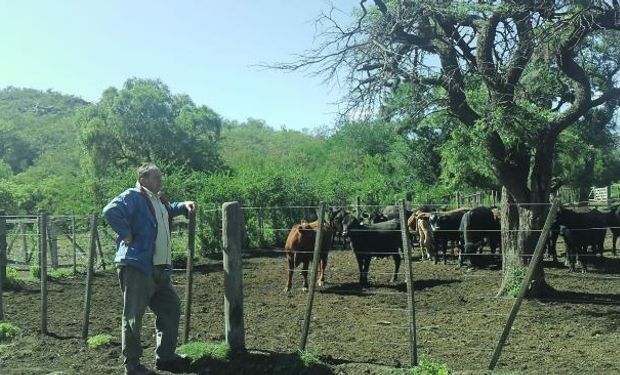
(310, 358)
(202, 350)
(11, 282)
(514, 282)
(60, 273)
(98, 341)
(428, 367)
(35, 266)
(8, 331)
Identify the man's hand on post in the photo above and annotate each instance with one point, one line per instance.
(190, 206)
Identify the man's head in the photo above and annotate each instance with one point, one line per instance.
(150, 177)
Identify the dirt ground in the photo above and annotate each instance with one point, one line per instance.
(353, 331)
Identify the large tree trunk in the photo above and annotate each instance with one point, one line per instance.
(587, 178)
(521, 225)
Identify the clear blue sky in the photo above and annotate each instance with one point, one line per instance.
(203, 48)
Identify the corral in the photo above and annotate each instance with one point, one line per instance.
(352, 330)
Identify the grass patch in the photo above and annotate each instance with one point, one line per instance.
(426, 366)
(98, 341)
(513, 285)
(60, 273)
(205, 350)
(8, 331)
(310, 358)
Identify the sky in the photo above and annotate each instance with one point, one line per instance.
(204, 48)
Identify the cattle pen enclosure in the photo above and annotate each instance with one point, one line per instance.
(459, 319)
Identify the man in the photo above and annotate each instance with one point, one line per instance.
(141, 218)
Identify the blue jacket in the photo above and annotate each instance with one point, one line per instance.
(132, 213)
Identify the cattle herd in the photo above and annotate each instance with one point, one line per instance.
(461, 233)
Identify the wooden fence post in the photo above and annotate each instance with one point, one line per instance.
(2, 259)
(101, 257)
(410, 297)
(43, 267)
(73, 244)
(318, 241)
(53, 237)
(3, 246)
(261, 227)
(233, 276)
(191, 245)
(90, 269)
(536, 258)
(24, 240)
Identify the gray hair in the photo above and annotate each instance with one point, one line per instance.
(145, 170)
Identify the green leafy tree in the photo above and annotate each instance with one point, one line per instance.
(143, 121)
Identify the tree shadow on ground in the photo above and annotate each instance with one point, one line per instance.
(264, 253)
(580, 298)
(258, 363)
(367, 291)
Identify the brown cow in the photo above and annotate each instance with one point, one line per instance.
(418, 224)
(299, 249)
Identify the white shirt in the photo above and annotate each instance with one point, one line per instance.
(163, 244)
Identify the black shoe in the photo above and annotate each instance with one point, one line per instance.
(176, 363)
(138, 369)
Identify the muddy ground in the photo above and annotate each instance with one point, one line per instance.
(353, 331)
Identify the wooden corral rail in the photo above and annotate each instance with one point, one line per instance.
(480, 198)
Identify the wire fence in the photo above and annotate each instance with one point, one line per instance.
(385, 305)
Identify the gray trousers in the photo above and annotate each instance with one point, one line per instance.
(155, 291)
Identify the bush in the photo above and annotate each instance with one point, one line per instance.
(11, 282)
(514, 282)
(428, 367)
(98, 341)
(309, 358)
(205, 350)
(35, 271)
(8, 331)
(60, 273)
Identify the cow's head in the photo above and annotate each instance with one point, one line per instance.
(350, 222)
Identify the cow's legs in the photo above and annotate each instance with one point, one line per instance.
(322, 267)
(290, 269)
(304, 274)
(570, 257)
(360, 267)
(396, 266)
(614, 234)
(364, 264)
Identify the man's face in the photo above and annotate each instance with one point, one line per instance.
(153, 182)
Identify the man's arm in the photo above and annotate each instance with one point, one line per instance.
(117, 214)
(182, 208)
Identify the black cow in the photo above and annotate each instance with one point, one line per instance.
(584, 229)
(336, 217)
(393, 212)
(479, 226)
(552, 240)
(613, 222)
(374, 217)
(373, 240)
(577, 242)
(445, 227)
